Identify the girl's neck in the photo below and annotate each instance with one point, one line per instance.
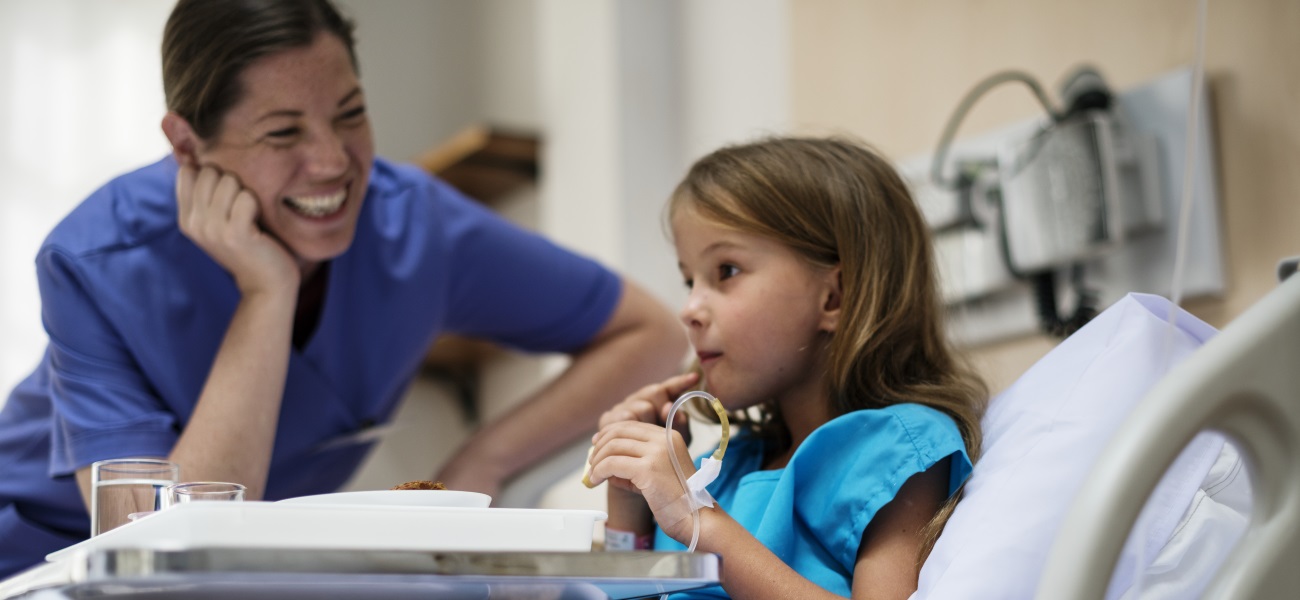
(801, 414)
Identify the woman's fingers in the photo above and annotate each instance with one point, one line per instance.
(195, 189)
(220, 216)
(204, 184)
(244, 210)
(184, 188)
(223, 197)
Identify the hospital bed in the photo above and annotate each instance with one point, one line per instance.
(1128, 463)
(1245, 383)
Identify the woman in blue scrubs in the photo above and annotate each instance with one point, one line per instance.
(247, 305)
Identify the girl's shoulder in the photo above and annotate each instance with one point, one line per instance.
(912, 422)
(910, 436)
(905, 428)
(853, 465)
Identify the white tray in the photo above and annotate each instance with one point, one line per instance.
(277, 525)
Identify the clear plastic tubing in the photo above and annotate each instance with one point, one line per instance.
(717, 455)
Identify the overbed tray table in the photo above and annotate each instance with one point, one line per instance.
(257, 573)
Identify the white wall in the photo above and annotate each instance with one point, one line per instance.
(631, 92)
(422, 70)
(81, 101)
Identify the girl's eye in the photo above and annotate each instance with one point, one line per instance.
(727, 272)
(690, 283)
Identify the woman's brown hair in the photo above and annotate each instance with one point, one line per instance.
(836, 202)
(208, 43)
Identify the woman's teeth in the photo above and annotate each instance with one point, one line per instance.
(318, 206)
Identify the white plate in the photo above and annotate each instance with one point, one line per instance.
(397, 498)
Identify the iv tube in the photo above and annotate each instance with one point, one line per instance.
(717, 454)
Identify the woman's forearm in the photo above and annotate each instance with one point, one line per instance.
(641, 343)
(232, 431)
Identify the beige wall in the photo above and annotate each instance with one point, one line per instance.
(891, 71)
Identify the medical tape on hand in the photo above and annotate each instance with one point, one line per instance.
(696, 496)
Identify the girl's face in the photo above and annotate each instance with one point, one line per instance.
(300, 141)
(757, 313)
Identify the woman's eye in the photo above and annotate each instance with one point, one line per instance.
(282, 134)
(355, 114)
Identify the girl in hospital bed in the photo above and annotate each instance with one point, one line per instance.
(813, 311)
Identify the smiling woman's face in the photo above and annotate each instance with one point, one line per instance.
(300, 141)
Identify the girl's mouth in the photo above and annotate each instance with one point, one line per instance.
(708, 357)
(318, 206)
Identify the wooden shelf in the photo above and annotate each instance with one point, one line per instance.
(483, 162)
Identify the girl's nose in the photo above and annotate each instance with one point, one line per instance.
(693, 313)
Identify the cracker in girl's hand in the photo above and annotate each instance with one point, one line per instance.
(586, 469)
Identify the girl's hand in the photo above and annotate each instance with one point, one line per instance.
(220, 216)
(633, 456)
(651, 404)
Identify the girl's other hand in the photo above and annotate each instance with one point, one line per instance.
(651, 404)
(220, 216)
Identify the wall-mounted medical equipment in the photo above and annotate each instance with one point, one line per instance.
(1040, 224)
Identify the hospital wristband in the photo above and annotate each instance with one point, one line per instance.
(617, 540)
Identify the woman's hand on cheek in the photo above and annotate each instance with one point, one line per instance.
(220, 216)
(634, 456)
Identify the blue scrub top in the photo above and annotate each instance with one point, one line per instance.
(813, 512)
(135, 313)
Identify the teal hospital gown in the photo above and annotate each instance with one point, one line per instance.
(813, 512)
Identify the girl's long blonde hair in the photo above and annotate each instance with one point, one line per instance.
(836, 202)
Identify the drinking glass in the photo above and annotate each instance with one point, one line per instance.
(121, 486)
(202, 491)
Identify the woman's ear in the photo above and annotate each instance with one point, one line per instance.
(182, 137)
(832, 300)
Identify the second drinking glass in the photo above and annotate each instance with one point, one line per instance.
(202, 491)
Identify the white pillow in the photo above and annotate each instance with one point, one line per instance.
(1041, 438)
